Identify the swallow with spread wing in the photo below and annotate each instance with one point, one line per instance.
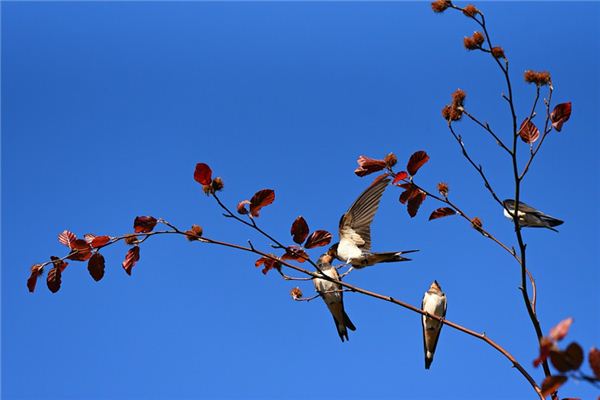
(333, 296)
(354, 246)
(530, 217)
(434, 303)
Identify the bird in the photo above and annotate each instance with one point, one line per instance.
(354, 247)
(434, 303)
(332, 295)
(529, 216)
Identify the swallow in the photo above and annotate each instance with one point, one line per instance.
(354, 246)
(530, 217)
(434, 303)
(332, 295)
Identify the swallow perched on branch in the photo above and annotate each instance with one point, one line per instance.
(529, 216)
(333, 296)
(354, 246)
(434, 303)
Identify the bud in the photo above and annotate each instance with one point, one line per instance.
(470, 11)
(368, 165)
(498, 52)
(476, 222)
(446, 112)
(458, 97)
(207, 189)
(217, 184)
(296, 293)
(539, 78)
(443, 189)
(439, 6)
(390, 160)
(131, 240)
(241, 207)
(194, 233)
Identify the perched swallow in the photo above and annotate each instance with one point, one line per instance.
(354, 246)
(332, 295)
(529, 216)
(434, 302)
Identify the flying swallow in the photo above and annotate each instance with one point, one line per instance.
(332, 295)
(354, 246)
(434, 303)
(529, 216)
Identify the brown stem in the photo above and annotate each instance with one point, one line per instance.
(487, 127)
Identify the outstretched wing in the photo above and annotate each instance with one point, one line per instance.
(355, 224)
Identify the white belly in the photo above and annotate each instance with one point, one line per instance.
(347, 250)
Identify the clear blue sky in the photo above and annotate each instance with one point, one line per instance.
(107, 107)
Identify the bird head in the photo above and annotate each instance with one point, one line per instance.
(333, 250)
(325, 259)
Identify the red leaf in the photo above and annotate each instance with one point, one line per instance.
(261, 199)
(99, 241)
(295, 253)
(400, 176)
(442, 212)
(569, 359)
(36, 271)
(203, 174)
(560, 115)
(415, 202)
(552, 383)
(132, 257)
(546, 345)
(594, 359)
(81, 250)
(317, 239)
(561, 329)
(241, 207)
(299, 230)
(269, 264)
(54, 279)
(410, 192)
(96, 266)
(58, 263)
(144, 224)
(528, 132)
(416, 161)
(368, 165)
(66, 238)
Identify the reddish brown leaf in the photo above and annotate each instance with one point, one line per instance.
(410, 192)
(560, 115)
(144, 224)
(81, 250)
(546, 345)
(368, 165)
(295, 253)
(528, 132)
(53, 279)
(96, 266)
(317, 239)
(415, 202)
(203, 174)
(241, 207)
(66, 238)
(261, 199)
(269, 264)
(552, 383)
(99, 241)
(299, 230)
(594, 359)
(58, 263)
(400, 176)
(442, 212)
(561, 329)
(416, 161)
(36, 271)
(131, 258)
(569, 359)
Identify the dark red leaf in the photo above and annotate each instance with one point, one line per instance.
(144, 224)
(416, 161)
(546, 345)
(36, 271)
(96, 266)
(241, 207)
(528, 132)
(299, 230)
(54, 279)
(400, 176)
(410, 192)
(99, 241)
(560, 115)
(203, 174)
(442, 212)
(66, 238)
(132, 257)
(552, 383)
(569, 359)
(317, 239)
(594, 359)
(415, 202)
(295, 253)
(81, 250)
(368, 165)
(261, 199)
(269, 264)
(58, 263)
(561, 329)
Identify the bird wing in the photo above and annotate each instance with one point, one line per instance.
(355, 224)
(522, 207)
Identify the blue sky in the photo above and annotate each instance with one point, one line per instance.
(107, 107)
